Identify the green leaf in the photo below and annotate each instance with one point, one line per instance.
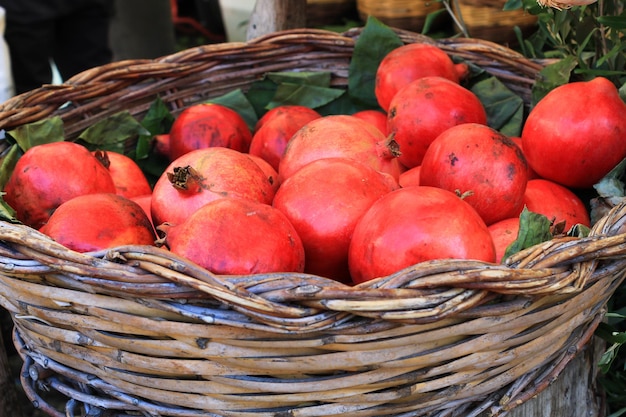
(612, 184)
(534, 228)
(432, 20)
(37, 133)
(305, 95)
(615, 22)
(552, 76)
(236, 100)
(376, 41)
(158, 119)
(608, 357)
(113, 132)
(260, 93)
(7, 213)
(512, 5)
(8, 160)
(505, 109)
(578, 230)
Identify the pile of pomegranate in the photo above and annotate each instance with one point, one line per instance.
(347, 197)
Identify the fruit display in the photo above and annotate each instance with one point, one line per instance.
(325, 257)
(422, 175)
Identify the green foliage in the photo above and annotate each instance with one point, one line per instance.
(592, 36)
(534, 228)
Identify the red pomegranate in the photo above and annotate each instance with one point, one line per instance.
(94, 222)
(410, 62)
(338, 136)
(237, 236)
(324, 200)
(575, 134)
(208, 125)
(50, 174)
(425, 108)
(415, 224)
(204, 175)
(129, 179)
(276, 129)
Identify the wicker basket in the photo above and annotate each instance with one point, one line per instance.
(404, 14)
(485, 19)
(139, 331)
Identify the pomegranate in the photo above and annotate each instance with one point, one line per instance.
(575, 135)
(270, 172)
(324, 200)
(339, 136)
(237, 236)
(129, 179)
(482, 163)
(557, 202)
(100, 221)
(270, 139)
(50, 174)
(204, 175)
(415, 224)
(375, 117)
(410, 62)
(503, 233)
(208, 125)
(423, 109)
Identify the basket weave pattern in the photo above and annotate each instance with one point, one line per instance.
(137, 330)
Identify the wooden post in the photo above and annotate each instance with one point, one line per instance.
(270, 16)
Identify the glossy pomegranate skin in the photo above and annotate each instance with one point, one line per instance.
(410, 62)
(237, 236)
(324, 200)
(129, 179)
(99, 221)
(484, 164)
(50, 174)
(276, 130)
(575, 134)
(416, 224)
(425, 108)
(338, 136)
(208, 125)
(204, 175)
(556, 202)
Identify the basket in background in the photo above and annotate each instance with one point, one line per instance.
(485, 19)
(329, 12)
(403, 14)
(138, 331)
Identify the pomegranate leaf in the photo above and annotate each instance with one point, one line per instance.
(505, 109)
(8, 159)
(534, 228)
(552, 76)
(375, 41)
(157, 120)
(236, 100)
(611, 191)
(112, 133)
(7, 213)
(36, 133)
(309, 95)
